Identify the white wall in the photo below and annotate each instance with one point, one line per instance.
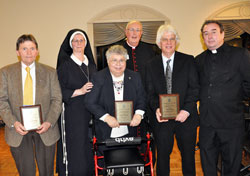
(50, 20)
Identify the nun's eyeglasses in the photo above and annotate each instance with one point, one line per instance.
(78, 41)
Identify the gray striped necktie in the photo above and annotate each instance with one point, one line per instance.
(169, 77)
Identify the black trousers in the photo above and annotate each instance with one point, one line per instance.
(31, 150)
(186, 141)
(228, 143)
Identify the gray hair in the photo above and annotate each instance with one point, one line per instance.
(166, 28)
(117, 49)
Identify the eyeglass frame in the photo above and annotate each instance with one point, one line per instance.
(78, 41)
(116, 61)
(134, 30)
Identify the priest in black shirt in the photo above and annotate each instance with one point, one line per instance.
(139, 52)
(224, 73)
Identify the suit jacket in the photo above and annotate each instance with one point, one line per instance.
(101, 99)
(224, 84)
(184, 82)
(48, 94)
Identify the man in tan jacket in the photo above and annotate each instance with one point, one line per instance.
(28, 146)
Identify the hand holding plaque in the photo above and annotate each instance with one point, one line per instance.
(169, 106)
(124, 112)
(31, 117)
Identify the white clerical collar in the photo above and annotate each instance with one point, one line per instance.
(78, 62)
(114, 78)
(133, 47)
(214, 51)
(30, 66)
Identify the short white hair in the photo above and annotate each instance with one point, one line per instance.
(166, 28)
(117, 49)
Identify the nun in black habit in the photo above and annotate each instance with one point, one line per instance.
(75, 66)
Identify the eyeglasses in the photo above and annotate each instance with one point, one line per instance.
(168, 40)
(78, 41)
(134, 30)
(116, 61)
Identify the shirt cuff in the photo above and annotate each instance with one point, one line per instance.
(140, 112)
(102, 118)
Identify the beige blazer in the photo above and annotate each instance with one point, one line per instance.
(48, 94)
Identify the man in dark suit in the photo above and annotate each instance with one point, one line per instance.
(184, 82)
(115, 83)
(28, 146)
(224, 73)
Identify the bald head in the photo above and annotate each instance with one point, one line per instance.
(133, 32)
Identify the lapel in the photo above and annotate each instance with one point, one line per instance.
(40, 80)
(177, 65)
(18, 83)
(127, 85)
(159, 72)
(109, 88)
(178, 62)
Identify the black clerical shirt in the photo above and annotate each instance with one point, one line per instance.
(222, 77)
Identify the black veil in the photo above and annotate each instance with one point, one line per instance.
(66, 51)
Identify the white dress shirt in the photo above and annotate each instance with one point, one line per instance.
(171, 63)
